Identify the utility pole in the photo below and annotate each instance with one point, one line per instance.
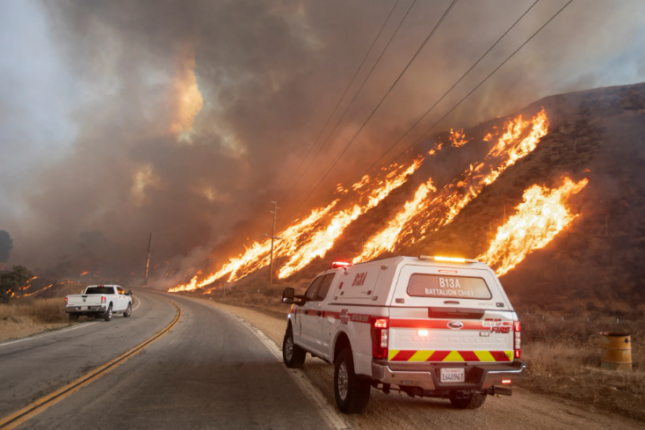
(273, 238)
(148, 257)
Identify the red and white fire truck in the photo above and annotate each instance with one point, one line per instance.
(426, 326)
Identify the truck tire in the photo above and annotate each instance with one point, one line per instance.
(292, 355)
(475, 401)
(352, 393)
(107, 316)
(128, 311)
(73, 317)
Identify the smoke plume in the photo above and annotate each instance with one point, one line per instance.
(192, 116)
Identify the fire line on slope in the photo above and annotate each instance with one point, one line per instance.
(538, 220)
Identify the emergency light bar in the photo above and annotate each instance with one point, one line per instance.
(337, 264)
(448, 259)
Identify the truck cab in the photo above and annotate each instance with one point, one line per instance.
(426, 326)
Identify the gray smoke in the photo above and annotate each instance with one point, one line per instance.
(269, 74)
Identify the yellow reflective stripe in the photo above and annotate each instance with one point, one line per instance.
(509, 354)
(393, 353)
(421, 356)
(484, 356)
(453, 356)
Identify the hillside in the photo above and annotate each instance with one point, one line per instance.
(471, 188)
(593, 134)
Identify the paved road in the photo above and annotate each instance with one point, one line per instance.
(209, 371)
(33, 367)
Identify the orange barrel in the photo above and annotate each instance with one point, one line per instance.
(616, 351)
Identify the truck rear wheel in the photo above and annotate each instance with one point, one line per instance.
(73, 317)
(292, 355)
(107, 316)
(352, 393)
(473, 402)
(128, 311)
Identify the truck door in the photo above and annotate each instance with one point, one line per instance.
(307, 318)
(320, 332)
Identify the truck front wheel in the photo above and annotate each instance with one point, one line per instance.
(107, 316)
(352, 393)
(292, 355)
(128, 311)
(473, 402)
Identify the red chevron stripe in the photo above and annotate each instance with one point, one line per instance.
(438, 355)
(499, 356)
(403, 355)
(468, 355)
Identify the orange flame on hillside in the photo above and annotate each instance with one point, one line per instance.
(410, 226)
(42, 289)
(323, 240)
(539, 218)
(311, 237)
(458, 138)
(386, 239)
(83, 274)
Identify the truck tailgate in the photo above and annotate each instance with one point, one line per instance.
(416, 337)
(84, 300)
(455, 313)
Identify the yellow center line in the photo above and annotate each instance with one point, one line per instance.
(38, 406)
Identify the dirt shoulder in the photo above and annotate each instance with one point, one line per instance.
(10, 329)
(525, 409)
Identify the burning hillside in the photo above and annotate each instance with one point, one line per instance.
(510, 201)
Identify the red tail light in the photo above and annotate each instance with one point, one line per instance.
(380, 334)
(66, 300)
(103, 300)
(517, 338)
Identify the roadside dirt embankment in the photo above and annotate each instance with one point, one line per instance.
(26, 316)
(525, 409)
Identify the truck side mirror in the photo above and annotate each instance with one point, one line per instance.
(288, 295)
(129, 292)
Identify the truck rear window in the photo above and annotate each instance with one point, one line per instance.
(100, 290)
(457, 287)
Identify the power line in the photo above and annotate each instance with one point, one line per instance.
(452, 87)
(485, 79)
(467, 95)
(344, 94)
(380, 102)
(355, 96)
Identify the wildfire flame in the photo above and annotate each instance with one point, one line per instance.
(315, 235)
(420, 215)
(458, 138)
(42, 289)
(323, 240)
(539, 218)
(311, 237)
(387, 238)
(83, 274)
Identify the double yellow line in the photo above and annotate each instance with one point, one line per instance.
(36, 407)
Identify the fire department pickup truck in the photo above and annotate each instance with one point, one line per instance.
(426, 326)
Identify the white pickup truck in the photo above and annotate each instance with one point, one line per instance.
(99, 300)
(426, 326)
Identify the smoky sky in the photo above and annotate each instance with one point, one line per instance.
(198, 170)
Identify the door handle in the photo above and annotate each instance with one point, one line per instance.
(319, 313)
(306, 312)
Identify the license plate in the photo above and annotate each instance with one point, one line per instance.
(453, 375)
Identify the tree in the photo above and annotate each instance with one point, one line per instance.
(11, 282)
(6, 244)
